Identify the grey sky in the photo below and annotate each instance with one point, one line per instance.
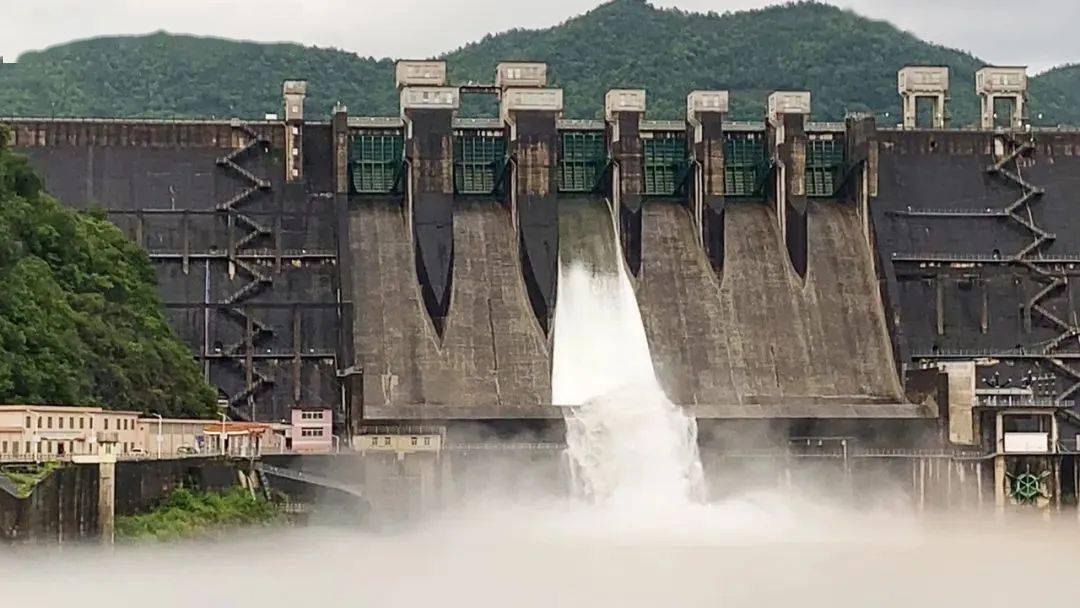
(1035, 32)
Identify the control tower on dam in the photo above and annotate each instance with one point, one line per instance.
(908, 285)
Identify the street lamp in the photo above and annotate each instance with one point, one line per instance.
(159, 421)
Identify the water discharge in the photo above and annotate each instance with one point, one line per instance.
(630, 446)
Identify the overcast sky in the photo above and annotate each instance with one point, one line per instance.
(1040, 35)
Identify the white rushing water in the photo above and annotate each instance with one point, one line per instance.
(630, 446)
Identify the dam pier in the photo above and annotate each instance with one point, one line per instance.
(847, 304)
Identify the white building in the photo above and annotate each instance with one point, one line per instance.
(52, 431)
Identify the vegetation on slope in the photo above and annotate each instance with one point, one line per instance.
(80, 321)
(25, 477)
(1054, 94)
(847, 61)
(188, 514)
(162, 75)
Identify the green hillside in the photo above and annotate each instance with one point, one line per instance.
(847, 61)
(80, 321)
(1056, 95)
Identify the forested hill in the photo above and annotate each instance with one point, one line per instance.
(80, 320)
(847, 61)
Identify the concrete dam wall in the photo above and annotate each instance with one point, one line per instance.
(403, 269)
(493, 360)
(245, 257)
(299, 283)
(758, 334)
(978, 237)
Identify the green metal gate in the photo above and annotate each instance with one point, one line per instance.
(478, 159)
(665, 162)
(582, 156)
(744, 163)
(375, 161)
(824, 164)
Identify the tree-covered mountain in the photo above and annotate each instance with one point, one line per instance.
(80, 320)
(847, 61)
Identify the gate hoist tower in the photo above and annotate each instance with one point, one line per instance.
(428, 107)
(924, 82)
(624, 110)
(993, 83)
(789, 111)
(530, 112)
(705, 111)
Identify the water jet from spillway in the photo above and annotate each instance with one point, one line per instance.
(628, 444)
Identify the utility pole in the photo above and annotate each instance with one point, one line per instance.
(159, 421)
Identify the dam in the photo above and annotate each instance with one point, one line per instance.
(882, 298)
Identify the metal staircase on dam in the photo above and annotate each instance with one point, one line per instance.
(253, 329)
(1029, 257)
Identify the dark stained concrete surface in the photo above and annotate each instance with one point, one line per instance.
(493, 360)
(758, 335)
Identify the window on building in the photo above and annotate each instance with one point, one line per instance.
(60, 422)
(27, 447)
(386, 441)
(91, 423)
(15, 448)
(82, 422)
(375, 442)
(415, 441)
(71, 422)
(49, 422)
(106, 424)
(41, 446)
(427, 440)
(28, 422)
(3, 447)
